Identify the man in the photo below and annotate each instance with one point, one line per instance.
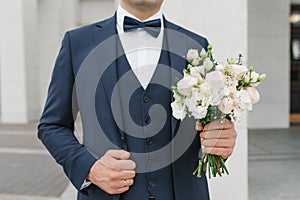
(127, 170)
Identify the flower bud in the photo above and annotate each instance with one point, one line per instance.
(208, 65)
(261, 77)
(231, 61)
(209, 47)
(203, 54)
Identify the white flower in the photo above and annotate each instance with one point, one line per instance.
(219, 68)
(203, 54)
(192, 54)
(195, 62)
(242, 100)
(226, 105)
(197, 71)
(178, 110)
(215, 79)
(200, 112)
(239, 71)
(192, 103)
(237, 113)
(247, 78)
(204, 93)
(186, 85)
(208, 65)
(254, 95)
(254, 76)
(216, 97)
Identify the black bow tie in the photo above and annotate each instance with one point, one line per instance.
(152, 26)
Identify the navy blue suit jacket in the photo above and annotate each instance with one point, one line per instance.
(56, 128)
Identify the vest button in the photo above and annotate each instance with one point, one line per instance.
(151, 184)
(146, 99)
(149, 141)
(147, 119)
(151, 198)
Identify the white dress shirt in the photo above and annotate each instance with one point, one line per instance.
(141, 49)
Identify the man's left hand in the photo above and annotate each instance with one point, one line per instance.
(218, 137)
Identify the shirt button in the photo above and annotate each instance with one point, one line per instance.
(146, 99)
(151, 184)
(149, 141)
(147, 120)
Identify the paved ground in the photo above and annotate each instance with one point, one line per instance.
(274, 163)
(29, 173)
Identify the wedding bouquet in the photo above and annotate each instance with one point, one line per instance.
(212, 91)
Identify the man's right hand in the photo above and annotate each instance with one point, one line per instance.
(113, 172)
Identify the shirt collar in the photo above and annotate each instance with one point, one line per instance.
(121, 13)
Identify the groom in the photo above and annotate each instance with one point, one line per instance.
(133, 149)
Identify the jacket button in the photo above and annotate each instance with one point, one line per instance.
(149, 141)
(147, 120)
(146, 99)
(151, 184)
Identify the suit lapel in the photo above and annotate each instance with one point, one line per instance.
(107, 34)
(176, 47)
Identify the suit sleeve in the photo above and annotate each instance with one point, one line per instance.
(56, 128)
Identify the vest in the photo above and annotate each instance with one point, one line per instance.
(156, 184)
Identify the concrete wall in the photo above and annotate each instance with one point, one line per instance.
(268, 39)
(55, 18)
(30, 20)
(12, 67)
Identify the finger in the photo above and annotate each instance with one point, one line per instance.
(118, 154)
(118, 165)
(219, 124)
(218, 134)
(125, 183)
(129, 174)
(117, 190)
(199, 126)
(219, 143)
(223, 152)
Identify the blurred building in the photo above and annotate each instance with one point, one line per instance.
(31, 32)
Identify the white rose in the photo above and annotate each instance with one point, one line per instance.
(204, 91)
(197, 71)
(192, 54)
(215, 79)
(254, 95)
(216, 97)
(208, 65)
(226, 105)
(242, 100)
(239, 71)
(195, 62)
(178, 111)
(199, 112)
(186, 84)
(237, 113)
